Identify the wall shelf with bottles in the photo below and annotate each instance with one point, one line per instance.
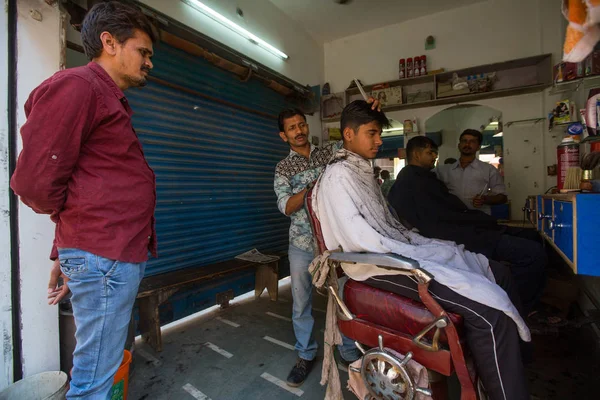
(511, 78)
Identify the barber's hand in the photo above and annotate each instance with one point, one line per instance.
(478, 201)
(376, 105)
(56, 293)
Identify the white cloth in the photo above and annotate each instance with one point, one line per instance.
(354, 215)
(469, 182)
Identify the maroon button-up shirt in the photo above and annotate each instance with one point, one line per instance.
(83, 164)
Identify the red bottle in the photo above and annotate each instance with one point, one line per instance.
(402, 68)
(417, 67)
(423, 65)
(409, 68)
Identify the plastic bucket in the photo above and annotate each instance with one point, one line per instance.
(44, 386)
(121, 382)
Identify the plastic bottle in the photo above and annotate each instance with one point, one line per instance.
(409, 68)
(423, 65)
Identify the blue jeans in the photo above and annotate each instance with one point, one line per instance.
(103, 293)
(302, 318)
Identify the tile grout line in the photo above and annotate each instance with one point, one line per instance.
(228, 322)
(219, 350)
(280, 343)
(278, 316)
(195, 393)
(276, 381)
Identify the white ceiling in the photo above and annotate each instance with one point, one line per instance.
(326, 21)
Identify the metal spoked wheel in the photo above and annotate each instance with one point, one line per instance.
(386, 377)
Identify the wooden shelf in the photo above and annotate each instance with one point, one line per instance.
(514, 77)
(587, 82)
(470, 97)
(399, 82)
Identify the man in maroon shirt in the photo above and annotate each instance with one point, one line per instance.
(82, 163)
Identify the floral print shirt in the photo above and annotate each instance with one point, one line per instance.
(292, 175)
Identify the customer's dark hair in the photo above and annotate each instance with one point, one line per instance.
(472, 132)
(359, 113)
(419, 143)
(119, 19)
(288, 113)
(385, 174)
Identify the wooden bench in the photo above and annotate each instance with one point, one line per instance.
(155, 290)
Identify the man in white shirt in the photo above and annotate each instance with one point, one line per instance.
(478, 184)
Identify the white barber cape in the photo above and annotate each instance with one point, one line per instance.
(354, 215)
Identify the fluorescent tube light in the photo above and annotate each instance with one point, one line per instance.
(499, 134)
(209, 12)
(393, 130)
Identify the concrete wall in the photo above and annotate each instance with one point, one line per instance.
(6, 354)
(487, 32)
(39, 55)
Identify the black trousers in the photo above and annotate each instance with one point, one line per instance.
(491, 336)
(521, 248)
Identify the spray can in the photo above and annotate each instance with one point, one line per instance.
(567, 155)
(402, 69)
(417, 65)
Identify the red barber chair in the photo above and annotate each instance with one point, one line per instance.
(422, 330)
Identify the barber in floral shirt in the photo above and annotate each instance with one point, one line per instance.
(293, 174)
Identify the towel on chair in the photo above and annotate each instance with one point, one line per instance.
(324, 275)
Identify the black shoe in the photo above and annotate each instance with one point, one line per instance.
(300, 371)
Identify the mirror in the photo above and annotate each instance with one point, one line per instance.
(452, 121)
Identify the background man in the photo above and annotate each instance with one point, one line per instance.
(293, 174)
(82, 163)
(477, 184)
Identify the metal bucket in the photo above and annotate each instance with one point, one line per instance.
(44, 386)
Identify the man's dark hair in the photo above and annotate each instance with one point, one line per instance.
(419, 143)
(288, 113)
(359, 113)
(472, 132)
(119, 19)
(450, 160)
(385, 174)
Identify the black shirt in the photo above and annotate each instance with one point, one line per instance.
(424, 201)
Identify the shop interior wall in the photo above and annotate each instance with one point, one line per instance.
(482, 33)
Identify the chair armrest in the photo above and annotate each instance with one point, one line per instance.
(385, 260)
(388, 260)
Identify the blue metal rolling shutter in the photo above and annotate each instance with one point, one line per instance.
(214, 164)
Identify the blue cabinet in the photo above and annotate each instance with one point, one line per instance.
(571, 224)
(562, 226)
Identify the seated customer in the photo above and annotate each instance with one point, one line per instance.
(424, 201)
(354, 215)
